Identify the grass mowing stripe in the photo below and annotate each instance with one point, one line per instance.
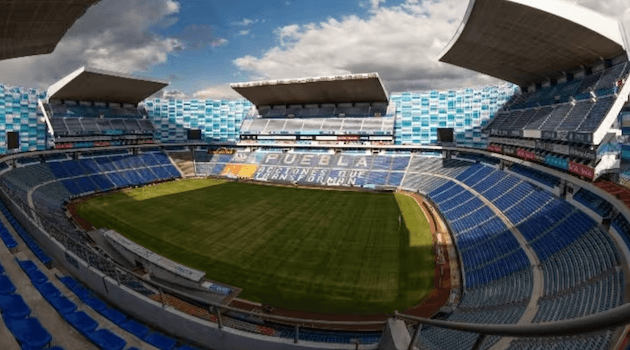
(303, 249)
(172, 187)
(415, 220)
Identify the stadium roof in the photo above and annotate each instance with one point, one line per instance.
(332, 89)
(89, 84)
(524, 41)
(34, 27)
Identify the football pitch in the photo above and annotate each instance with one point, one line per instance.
(301, 249)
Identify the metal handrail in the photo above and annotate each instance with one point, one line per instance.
(619, 316)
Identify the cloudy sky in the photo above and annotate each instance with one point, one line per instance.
(202, 46)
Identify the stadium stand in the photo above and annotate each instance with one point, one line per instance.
(184, 161)
(324, 113)
(78, 113)
(34, 247)
(311, 169)
(558, 234)
(62, 173)
(539, 176)
(498, 283)
(88, 175)
(316, 126)
(489, 252)
(526, 255)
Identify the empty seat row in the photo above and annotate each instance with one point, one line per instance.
(16, 314)
(536, 175)
(132, 326)
(30, 242)
(593, 202)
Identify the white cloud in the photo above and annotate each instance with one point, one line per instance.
(217, 92)
(372, 4)
(113, 34)
(219, 42)
(288, 34)
(243, 32)
(200, 36)
(171, 94)
(245, 22)
(402, 43)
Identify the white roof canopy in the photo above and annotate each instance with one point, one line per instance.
(34, 27)
(333, 89)
(524, 41)
(89, 84)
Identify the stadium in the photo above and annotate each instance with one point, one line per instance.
(324, 212)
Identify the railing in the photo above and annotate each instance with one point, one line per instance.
(614, 318)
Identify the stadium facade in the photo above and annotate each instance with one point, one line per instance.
(536, 242)
(416, 116)
(468, 111)
(20, 112)
(218, 120)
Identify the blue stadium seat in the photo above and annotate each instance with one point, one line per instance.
(81, 321)
(160, 341)
(7, 238)
(36, 276)
(58, 170)
(62, 304)
(106, 163)
(135, 162)
(135, 328)
(147, 175)
(173, 173)
(6, 287)
(28, 266)
(106, 340)
(94, 303)
(118, 180)
(68, 281)
(133, 177)
(72, 186)
(102, 182)
(29, 332)
(90, 165)
(149, 160)
(160, 173)
(186, 347)
(113, 315)
(163, 159)
(13, 306)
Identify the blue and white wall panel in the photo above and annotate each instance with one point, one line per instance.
(420, 114)
(19, 112)
(218, 120)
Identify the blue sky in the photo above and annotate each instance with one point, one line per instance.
(239, 28)
(202, 46)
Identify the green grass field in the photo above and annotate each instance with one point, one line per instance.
(301, 249)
